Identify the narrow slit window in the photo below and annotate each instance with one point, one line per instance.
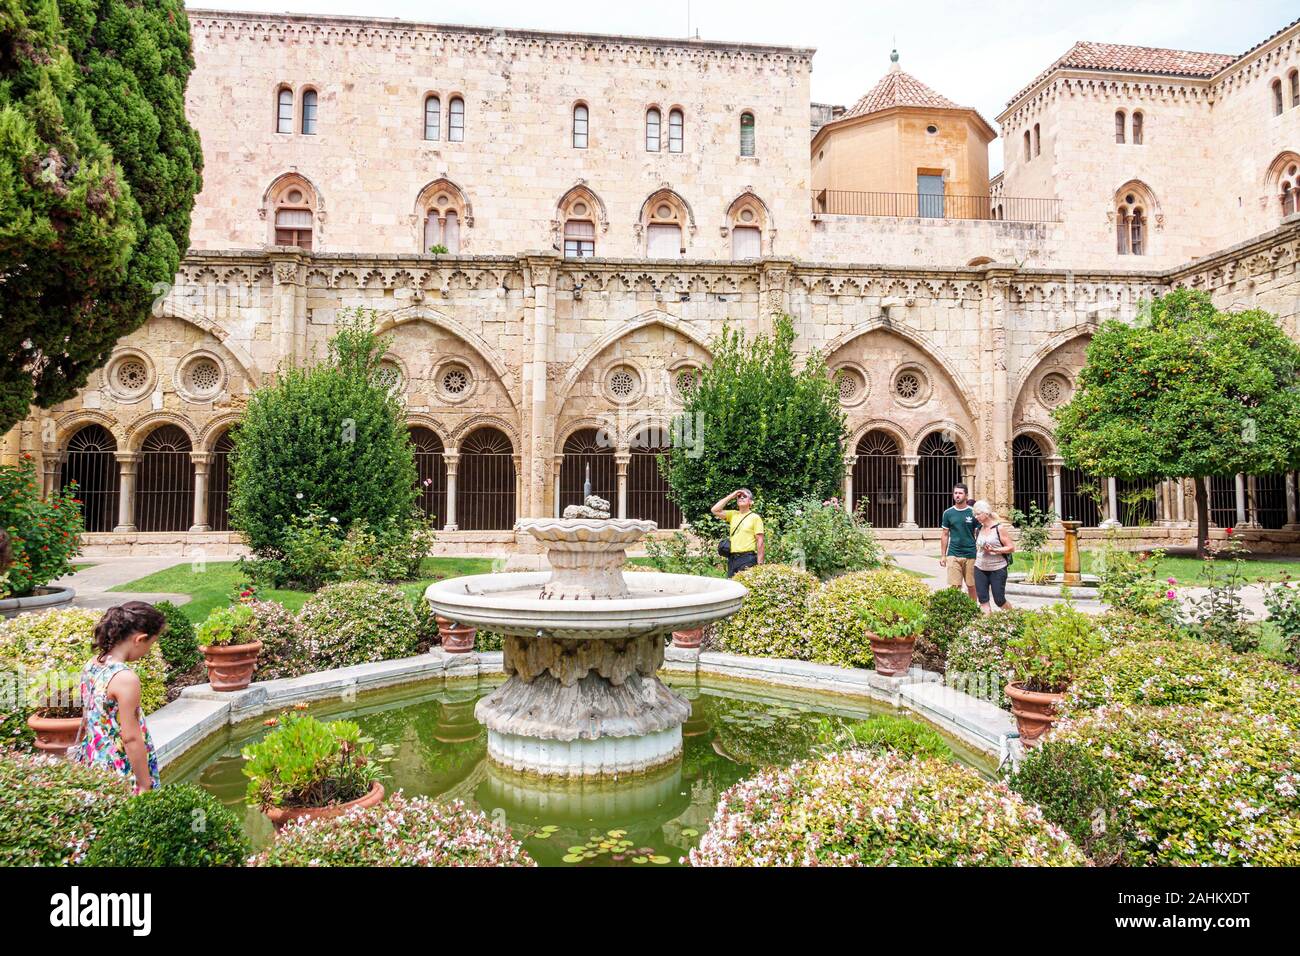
(580, 127)
(456, 120)
(676, 122)
(284, 111)
(309, 113)
(652, 121)
(746, 134)
(432, 118)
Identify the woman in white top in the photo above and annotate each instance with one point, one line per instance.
(992, 545)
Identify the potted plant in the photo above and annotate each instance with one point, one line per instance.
(1054, 645)
(306, 769)
(231, 656)
(55, 719)
(892, 625)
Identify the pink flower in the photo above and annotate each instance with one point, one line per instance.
(1173, 580)
(1170, 594)
(1228, 530)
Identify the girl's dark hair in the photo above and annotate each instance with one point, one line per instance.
(6, 550)
(120, 622)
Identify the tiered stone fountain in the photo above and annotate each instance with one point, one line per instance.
(583, 645)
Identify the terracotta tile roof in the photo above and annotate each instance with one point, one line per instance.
(1122, 58)
(899, 89)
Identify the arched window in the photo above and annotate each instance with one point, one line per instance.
(1131, 211)
(652, 121)
(588, 448)
(219, 483)
(676, 134)
(485, 485)
(284, 110)
(578, 213)
(1137, 128)
(1119, 126)
(309, 99)
(1277, 97)
(1028, 147)
(878, 480)
(293, 205)
(647, 489)
(665, 220)
(444, 212)
(937, 469)
(430, 473)
(164, 491)
(1081, 497)
(91, 462)
(1295, 87)
(1028, 474)
(1286, 180)
(580, 126)
(456, 120)
(746, 134)
(1038, 140)
(747, 220)
(432, 117)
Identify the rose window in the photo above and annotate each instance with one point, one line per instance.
(132, 376)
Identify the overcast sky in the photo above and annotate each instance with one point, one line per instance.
(978, 54)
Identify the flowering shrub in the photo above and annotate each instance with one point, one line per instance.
(44, 533)
(1165, 673)
(404, 831)
(357, 622)
(770, 622)
(678, 554)
(858, 808)
(836, 635)
(1221, 614)
(305, 762)
(1121, 627)
(1198, 786)
(821, 537)
(1131, 582)
(1283, 603)
(977, 658)
(1076, 791)
(284, 652)
(51, 809)
(176, 825)
(41, 659)
(1055, 644)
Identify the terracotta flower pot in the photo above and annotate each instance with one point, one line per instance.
(456, 638)
(231, 667)
(282, 817)
(688, 639)
(54, 735)
(893, 656)
(1035, 712)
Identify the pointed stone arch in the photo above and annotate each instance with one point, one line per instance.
(652, 317)
(1042, 353)
(669, 195)
(423, 313)
(235, 354)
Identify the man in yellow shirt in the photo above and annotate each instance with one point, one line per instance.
(745, 529)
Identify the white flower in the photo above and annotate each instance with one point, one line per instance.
(299, 496)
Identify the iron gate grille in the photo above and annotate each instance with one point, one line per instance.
(1028, 474)
(92, 463)
(1137, 502)
(219, 483)
(164, 494)
(878, 480)
(937, 470)
(485, 484)
(1076, 503)
(588, 446)
(1223, 500)
(1270, 500)
(430, 473)
(647, 489)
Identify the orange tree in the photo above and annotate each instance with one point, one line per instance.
(1186, 391)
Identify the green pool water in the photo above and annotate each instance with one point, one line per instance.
(430, 743)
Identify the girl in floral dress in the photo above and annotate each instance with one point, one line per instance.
(114, 734)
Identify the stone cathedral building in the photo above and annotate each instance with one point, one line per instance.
(554, 226)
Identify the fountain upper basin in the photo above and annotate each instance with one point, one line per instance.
(511, 603)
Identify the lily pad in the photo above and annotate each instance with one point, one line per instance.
(639, 859)
(690, 832)
(573, 858)
(659, 859)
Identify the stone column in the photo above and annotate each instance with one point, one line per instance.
(849, 462)
(1252, 503)
(540, 329)
(968, 476)
(1241, 500)
(555, 477)
(288, 325)
(908, 464)
(1180, 499)
(521, 489)
(622, 458)
(451, 458)
(202, 460)
(1112, 505)
(50, 460)
(993, 393)
(1054, 464)
(1291, 523)
(127, 462)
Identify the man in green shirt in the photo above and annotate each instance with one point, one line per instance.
(957, 546)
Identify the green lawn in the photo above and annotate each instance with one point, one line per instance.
(215, 585)
(1191, 571)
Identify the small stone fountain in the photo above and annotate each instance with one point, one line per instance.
(582, 648)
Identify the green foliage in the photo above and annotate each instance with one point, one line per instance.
(176, 825)
(51, 809)
(858, 808)
(1125, 626)
(41, 659)
(1167, 673)
(329, 439)
(357, 622)
(1187, 390)
(178, 644)
(900, 735)
(1078, 793)
(1199, 787)
(44, 533)
(98, 173)
(820, 536)
(1283, 604)
(1055, 644)
(835, 633)
(1035, 528)
(1131, 582)
(892, 619)
(951, 609)
(678, 554)
(226, 627)
(403, 831)
(770, 622)
(1221, 615)
(977, 658)
(304, 762)
(757, 421)
(284, 651)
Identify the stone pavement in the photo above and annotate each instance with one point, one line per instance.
(92, 583)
